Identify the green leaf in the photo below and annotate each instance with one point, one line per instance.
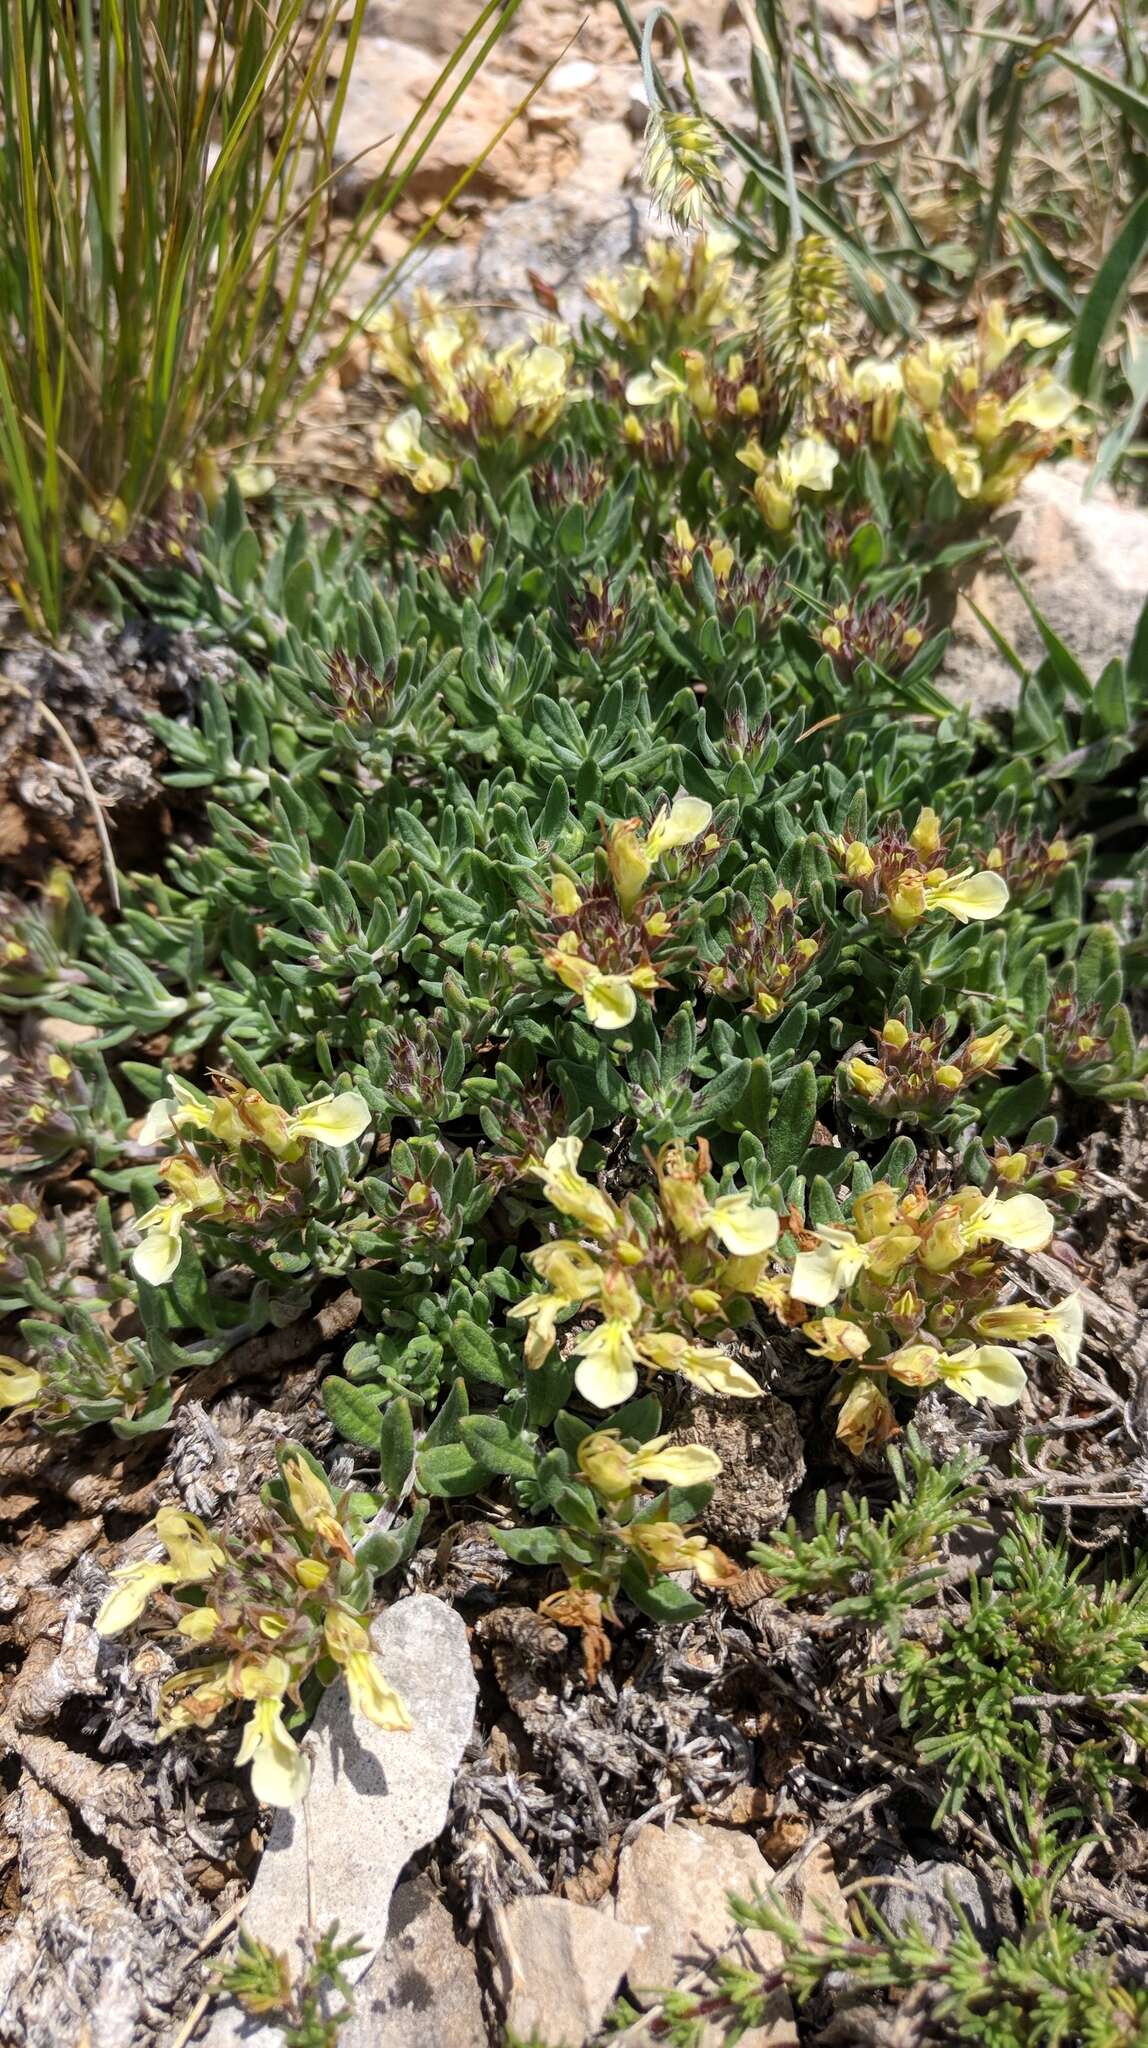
(1013, 1109)
(479, 1355)
(663, 1601)
(448, 1472)
(1101, 308)
(490, 1442)
(354, 1410)
(529, 1546)
(396, 1445)
(792, 1126)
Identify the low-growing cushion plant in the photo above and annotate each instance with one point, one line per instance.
(603, 947)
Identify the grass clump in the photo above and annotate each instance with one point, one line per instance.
(169, 253)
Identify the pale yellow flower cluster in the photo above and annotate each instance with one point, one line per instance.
(924, 1274)
(603, 954)
(985, 435)
(281, 1606)
(235, 1117)
(610, 1275)
(903, 877)
(461, 389)
(689, 291)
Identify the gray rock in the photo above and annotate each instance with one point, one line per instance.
(1085, 562)
(375, 1798)
(422, 1989)
(559, 1968)
(563, 236)
(935, 1886)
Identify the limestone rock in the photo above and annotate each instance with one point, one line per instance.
(422, 1990)
(375, 1798)
(560, 1966)
(1085, 562)
(389, 81)
(674, 1884)
(926, 1894)
(814, 1896)
(564, 236)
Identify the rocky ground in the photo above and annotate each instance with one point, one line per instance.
(536, 1846)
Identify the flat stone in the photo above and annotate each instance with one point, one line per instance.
(927, 1891)
(389, 81)
(422, 1989)
(572, 77)
(559, 1968)
(375, 1798)
(1085, 562)
(674, 1885)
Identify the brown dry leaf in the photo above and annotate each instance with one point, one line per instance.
(593, 1879)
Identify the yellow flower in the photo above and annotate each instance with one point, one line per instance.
(631, 862)
(280, 1773)
(819, 1276)
(984, 1053)
(703, 1365)
(867, 1079)
(925, 836)
(678, 824)
(399, 448)
(984, 1372)
(19, 1384)
(1043, 404)
(668, 1548)
(806, 464)
(333, 1120)
(179, 1109)
(914, 1365)
(998, 335)
(880, 385)
(615, 1472)
(676, 1464)
(866, 1416)
(1024, 1321)
(968, 896)
(372, 1696)
(132, 1588)
(632, 855)
(834, 1338)
(160, 1249)
(1022, 1222)
(956, 457)
(312, 1505)
(609, 1000)
(744, 1229)
(651, 386)
(925, 370)
(858, 862)
(193, 1554)
(564, 896)
(568, 1191)
(608, 1372)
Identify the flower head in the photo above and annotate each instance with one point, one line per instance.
(280, 1773)
(680, 159)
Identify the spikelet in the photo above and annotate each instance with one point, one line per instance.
(681, 157)
(803, 303)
